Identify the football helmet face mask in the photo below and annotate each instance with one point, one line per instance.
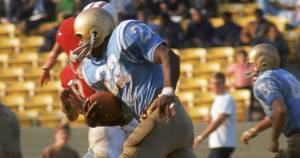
(261, 58)
(91, 26)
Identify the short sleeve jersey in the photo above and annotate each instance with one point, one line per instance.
(127, 68)
(279, 84)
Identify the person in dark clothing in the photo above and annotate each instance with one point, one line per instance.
(210, 7)
(275, 38)
(60, 148)
(11, 10)
(200, 31)
(170, 30)
(228, 34)
(42, 11)
(10, 146)
(49, 40)
(255, 29)
(143, 15)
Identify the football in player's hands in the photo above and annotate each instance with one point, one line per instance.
(101, 108)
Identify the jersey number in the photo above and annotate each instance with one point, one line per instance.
(143, 30)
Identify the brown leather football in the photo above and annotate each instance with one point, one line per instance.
(102, 108)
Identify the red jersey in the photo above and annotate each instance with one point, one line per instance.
(71, 80)
(65, 35)
(67, 40)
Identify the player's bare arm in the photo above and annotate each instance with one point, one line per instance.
(171, 67)
(279, 115)
(264, 124)
(210, 128)
(50, 63)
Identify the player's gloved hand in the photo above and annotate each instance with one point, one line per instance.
(247, 135)
(166, 106)
(71, 104)
(45, 77)
(274, 146)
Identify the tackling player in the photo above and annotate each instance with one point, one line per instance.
(278, 91)
(66, 30)
(134, 63)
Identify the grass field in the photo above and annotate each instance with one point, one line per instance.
(34, 139)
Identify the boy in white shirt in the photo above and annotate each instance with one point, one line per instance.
(221, 129)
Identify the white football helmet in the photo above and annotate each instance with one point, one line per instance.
(92, 26)
(265, 57)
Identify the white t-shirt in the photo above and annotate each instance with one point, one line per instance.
(224, 135)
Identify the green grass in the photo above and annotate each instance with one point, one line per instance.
(34, 139)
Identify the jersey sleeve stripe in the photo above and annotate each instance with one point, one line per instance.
(120, 34)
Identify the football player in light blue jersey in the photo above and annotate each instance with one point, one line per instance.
(135, 65)
(278, 91)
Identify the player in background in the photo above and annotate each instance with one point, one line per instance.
(66, 30)
(105, 141)
(278, 91)
(134, 64)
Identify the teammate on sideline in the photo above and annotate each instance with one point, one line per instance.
(134, 63)
(103, 141)
(278, 91)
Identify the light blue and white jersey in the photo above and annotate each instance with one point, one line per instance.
(127, 67)
(280, 84)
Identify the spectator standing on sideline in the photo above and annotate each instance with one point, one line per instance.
(60, 148)
(221, 128)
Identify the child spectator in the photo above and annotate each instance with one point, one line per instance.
(60, 148)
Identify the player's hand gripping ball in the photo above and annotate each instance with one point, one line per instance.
(102, 109)
(71, 104)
